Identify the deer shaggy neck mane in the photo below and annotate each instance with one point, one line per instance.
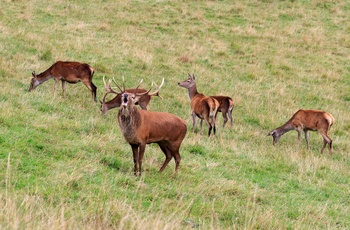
(129, 120)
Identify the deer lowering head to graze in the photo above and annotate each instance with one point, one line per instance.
(202, 106)
(71, 72)
(226, 106)
(142, 101)
(141, 127)
(307, 120)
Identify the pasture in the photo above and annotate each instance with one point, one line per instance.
(65, 166)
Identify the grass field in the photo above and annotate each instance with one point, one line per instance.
(64, 166)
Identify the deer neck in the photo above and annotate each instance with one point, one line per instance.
(192, 91)
(44, 76)
(285, 128)
(129, 119)
(115, 102)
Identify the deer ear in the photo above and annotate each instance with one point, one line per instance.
(33, 74)
(193, 77)
(271, 133)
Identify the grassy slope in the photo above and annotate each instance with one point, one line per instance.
(64, 166)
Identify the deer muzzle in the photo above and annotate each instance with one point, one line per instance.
(125, 99)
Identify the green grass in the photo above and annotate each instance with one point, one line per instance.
(64, 166)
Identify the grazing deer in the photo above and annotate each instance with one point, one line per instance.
(141, 127)
(226, 106)
(71, 72)
(143, 100)
(305, 120)
(202, 106)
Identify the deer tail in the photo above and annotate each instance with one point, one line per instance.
(330, 120)
(214, 106)
(232, 104)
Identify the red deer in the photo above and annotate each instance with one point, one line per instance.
(116, 101)
(226, 106)
(202, 106)
(307, 120)
(71, 72)
(141, 127)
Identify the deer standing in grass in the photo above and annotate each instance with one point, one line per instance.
(141, 127)
(205, 108)
(307, 120)
(71, 72)
(226, 106)
(142, 101)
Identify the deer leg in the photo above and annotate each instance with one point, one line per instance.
(224, 115)
(299, 134)
(213, 123)
(230, 115)
(326, 139)
(177, 157)
(94, 89)
(193, 121)
(141, 153)
(64, 88)
(91, 87)
(307, 139)
(136, 156)
(174, 150)
(55, 86)
(330, 147)
(209, 126)
(167, 153)
(324, 145)
(201, 125)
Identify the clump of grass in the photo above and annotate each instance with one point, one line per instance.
(46, 56)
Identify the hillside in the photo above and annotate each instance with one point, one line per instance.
(65, 166)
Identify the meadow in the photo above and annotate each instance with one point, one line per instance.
(65, 166)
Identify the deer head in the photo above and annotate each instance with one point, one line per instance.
(189, 83)
(34, 82)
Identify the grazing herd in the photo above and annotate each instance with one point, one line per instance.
(140, 126)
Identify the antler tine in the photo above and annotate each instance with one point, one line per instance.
(123, 83)
(156, 93)
(104, 82)
(140, 94)
(108, 89)
(139, 84)
(107, 86)
(121, 90)
(104, 98)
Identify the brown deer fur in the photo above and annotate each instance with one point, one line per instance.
(226, 106)
(71, 72)
(202, 106)
(307, 120)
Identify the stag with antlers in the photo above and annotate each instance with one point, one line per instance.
(141, 127)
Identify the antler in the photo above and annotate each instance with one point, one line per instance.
(156, 93)
(107, 86)
(109, 89)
